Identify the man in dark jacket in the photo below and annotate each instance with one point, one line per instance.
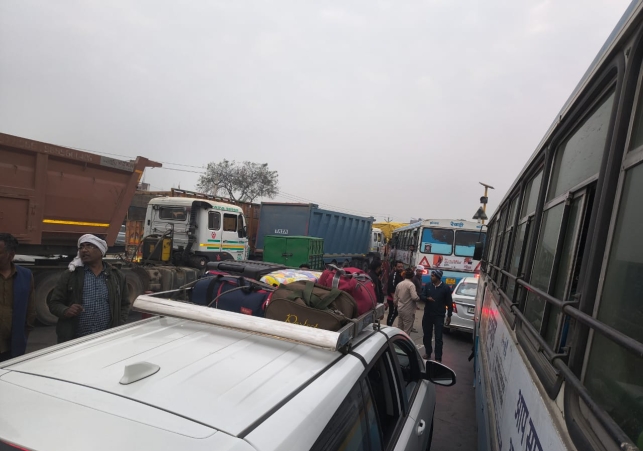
(17, 305)
(375, 273)
(437, 298)
(417, 279)
(92, 296)
(393, 280)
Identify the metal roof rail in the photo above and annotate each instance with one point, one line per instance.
(320, 338)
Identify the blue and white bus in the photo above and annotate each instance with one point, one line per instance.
(559, 311)
(445, 244)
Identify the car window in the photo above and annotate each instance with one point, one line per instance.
(467, 289)
(408, 362)
(354, 425)
(382, 387)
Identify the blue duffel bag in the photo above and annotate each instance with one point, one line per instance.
(232, 293)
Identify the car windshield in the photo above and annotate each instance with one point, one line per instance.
(467, 289)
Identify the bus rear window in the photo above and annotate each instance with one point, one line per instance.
(465, 242)
(437, 241)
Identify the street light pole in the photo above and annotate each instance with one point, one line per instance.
(484, 199)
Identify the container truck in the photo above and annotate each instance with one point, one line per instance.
(347, 238)
(51, 195)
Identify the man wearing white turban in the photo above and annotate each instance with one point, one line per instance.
(92, 296)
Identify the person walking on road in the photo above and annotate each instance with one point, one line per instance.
(438, 300)
(92, 296)
(17, 305)
(417, 278)
(393, 281)
(405, 300)
(375, 273)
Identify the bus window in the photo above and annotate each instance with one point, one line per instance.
(465, 241)
(531, 195)
(579, 157)
(437, 241)
(543, 262)
(613, 375)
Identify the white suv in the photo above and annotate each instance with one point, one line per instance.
(168, 383)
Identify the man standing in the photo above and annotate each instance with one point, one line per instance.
(405, 302)
(437, 298)
(375, 273)
(17, 305)
(417, 278)
(92, 296)
(393, 280)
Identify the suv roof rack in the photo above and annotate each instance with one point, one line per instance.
(321, 338)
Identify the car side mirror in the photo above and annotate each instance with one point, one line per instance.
(477, 250)
(439, 374)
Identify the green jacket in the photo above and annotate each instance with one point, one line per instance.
(69, 290)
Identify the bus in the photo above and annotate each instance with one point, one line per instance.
(446, 244)
(558, 340)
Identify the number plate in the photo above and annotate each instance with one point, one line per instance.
(450, 281)
(471, 309)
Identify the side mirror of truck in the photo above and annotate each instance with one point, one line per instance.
(477, 250)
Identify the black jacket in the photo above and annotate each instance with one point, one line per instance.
(69, 290)
(442, 300)
(393, 281)
(379, 289)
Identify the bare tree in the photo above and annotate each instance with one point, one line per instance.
(243, 182)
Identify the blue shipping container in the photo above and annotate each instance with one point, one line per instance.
(345, 236)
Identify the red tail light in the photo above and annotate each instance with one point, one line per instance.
(455, 308)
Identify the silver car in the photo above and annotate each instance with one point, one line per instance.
(168, 383)
(464, 305)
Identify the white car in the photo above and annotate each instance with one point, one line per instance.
(168, 383)
(464, 305)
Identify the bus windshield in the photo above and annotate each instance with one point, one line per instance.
(465, 241)
(437, 241)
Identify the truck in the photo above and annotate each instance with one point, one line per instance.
(51, 195)
(347, 238)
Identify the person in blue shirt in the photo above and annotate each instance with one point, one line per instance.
(437, 301)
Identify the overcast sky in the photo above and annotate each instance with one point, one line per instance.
(383, 108)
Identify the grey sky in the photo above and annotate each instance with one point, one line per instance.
(394, 108)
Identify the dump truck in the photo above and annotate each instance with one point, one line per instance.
(347, 238)
(51, 195)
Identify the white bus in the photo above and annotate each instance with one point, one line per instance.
(559, 314)
(445, 244)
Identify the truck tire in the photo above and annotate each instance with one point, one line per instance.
(45, 283)
(134, 285)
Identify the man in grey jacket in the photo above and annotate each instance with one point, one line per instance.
(92, 296)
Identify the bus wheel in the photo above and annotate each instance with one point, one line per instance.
(45, 283)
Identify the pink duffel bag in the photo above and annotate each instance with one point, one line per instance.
(355, 282)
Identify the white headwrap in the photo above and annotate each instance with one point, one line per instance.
(100, 244)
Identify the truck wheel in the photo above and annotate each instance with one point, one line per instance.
(134, 285)
(45, 283)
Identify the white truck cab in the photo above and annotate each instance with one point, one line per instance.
(217, 229)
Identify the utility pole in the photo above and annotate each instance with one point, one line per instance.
(484, 199)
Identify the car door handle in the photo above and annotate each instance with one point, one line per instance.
(421, 427)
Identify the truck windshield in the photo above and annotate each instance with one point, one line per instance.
(173, 213)
(437, 241)
(465, 241)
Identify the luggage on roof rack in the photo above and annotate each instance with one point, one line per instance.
(246, 268)
(331, 340)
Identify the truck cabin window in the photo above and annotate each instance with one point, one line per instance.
(173, 213)
(214, 220)
(229, 222)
